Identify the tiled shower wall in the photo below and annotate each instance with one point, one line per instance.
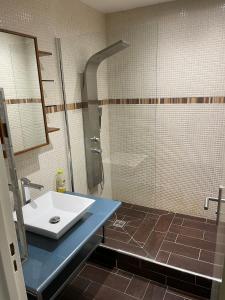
(169, 156)
(82, 33)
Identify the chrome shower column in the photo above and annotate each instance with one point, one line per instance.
(92, 115)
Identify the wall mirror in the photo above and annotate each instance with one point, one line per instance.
(20, 77)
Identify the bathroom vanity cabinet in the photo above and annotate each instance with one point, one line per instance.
(54, 263)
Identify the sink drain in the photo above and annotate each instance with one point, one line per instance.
(54, 220)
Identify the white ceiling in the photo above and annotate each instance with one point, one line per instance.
(109, 6)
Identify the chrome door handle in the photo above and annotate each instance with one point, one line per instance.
(206, 206)
(219, 200)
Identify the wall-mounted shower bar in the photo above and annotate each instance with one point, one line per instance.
(92, 115)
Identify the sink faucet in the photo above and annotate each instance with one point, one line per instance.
(26, 184)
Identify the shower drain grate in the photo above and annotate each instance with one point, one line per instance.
(119, 223)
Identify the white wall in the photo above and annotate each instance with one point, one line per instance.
(151, 160)
(82, 31)
(177, 50)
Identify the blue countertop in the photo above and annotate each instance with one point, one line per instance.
(47, 257)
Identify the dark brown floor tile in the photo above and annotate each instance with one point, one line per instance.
(203, 282)
(213, 237)
(140, 208)
(191, 264)
(131, 212)
(157, 211)
(99, 232)
(97, 265)
(152, 216)
(101, 292)
(177, 221)
(174, 293)
(104, 257)
(171, 236)
(116, 235)
(187, 231)
(77, 287)
(137, 287)
(127, 205)
(180, 249)
(170, 296)
(212, 257)
(211, 221)
(187, 289)
(210, 236)
(164, 222)
(197, 243)
(155, 291)
(109, 224)
(116, 216)
(102, 276)
(198, 219)
(153, 243)
(126, 229)
(163, 256)
(144, 230)
(125, 247)
(199, 225)
(132, 221)
(123, 260)
(124, 273)
(136, 243)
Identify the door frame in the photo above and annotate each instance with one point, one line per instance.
(12, 282)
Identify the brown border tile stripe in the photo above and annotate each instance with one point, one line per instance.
(21, 101)
(191, 100)
(60, 107)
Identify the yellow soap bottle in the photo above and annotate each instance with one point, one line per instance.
(60, 181)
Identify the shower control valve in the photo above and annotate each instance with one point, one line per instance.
(98, 151)
(95, 139)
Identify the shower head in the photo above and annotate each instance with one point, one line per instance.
(98, 57)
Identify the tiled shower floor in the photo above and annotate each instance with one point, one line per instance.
(97, 282)
(174, 239)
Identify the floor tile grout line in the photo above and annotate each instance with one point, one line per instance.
(178, 243)
(182, 297)
(104, 285)
(132, 296)
(85, 290)
(137, 242)
(192, 237)
(199, 239)
(154, 230)
(199, 254)
(165, 293)
(196, 261)
(190, 228)
(129, 283)
(193, 258)
(145, 292)
(141, 247)
(182, 222)
(202, 239)
(175, 252)
(103, 269)
(198, 222)
(168, 258)
(149, 235)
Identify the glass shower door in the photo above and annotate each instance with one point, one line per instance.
(218, 259)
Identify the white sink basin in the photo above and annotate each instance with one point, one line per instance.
(67, 210)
